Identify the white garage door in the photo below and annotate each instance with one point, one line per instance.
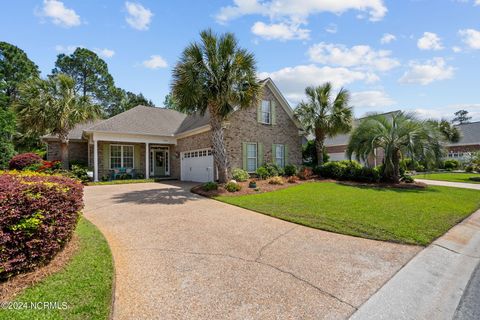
(197, 165)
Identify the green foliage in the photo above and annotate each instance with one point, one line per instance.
(451, 164)
(15, 68)
(89, 72)
(407, 178)
(210, 186)
(269, 170)
(461, 116)
(121, 101)
(450, 176)
(309, 153)
(169, 102)
(348, 170)
(233, 187)
(290, 170)
(323, 116)
(240, 175)
(397, 134)
(7, 129)
(80, 172)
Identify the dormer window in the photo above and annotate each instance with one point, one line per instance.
(266, 112)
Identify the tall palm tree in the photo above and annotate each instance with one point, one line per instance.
(324, 117)
(52, 106)
(399, 134)
(216, 76)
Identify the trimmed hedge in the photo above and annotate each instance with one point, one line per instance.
(348, 170)
(38, 214)
(23, 160)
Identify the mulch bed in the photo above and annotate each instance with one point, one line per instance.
(13, 286)
(263, 186)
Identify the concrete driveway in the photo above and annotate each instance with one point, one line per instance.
(180, 256)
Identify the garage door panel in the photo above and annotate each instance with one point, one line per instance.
(197, 165)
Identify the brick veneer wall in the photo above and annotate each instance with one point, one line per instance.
(77, 151)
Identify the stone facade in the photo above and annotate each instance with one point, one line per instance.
(77, 151)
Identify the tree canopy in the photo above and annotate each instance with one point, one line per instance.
(90, 74)
(461, 116)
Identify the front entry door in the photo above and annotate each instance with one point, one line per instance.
(159, 163)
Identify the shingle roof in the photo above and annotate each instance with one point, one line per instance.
(143, 120)
(343, 139)
(76, 133)
(470, 134)
(193, 121)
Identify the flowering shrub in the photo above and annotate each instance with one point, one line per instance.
(38, 213)
(23, 160)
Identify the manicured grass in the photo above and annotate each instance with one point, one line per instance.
(85, 283)
(398, 215)
(450, 176)
(104, 183)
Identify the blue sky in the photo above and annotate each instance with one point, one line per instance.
(421, 55)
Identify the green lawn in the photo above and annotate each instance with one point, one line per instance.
(398, 215)
(449, 176)
(85, 284)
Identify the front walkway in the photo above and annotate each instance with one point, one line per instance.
(475, 186)
(178, 255)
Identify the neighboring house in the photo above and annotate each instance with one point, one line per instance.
(156, 142)
(469, 142)
(336, 147)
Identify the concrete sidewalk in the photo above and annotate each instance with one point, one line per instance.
(431, 285)
(475, 186)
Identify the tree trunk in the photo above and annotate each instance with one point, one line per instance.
(219, 151)
(319, 143)
(396, 166)
(64, 153)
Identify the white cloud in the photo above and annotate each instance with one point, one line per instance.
(59, 14)
(332, 28)
(357, 56)
(446, 112)
(471, 37)
(299, 10)
(280, 31)
(138, 16)
(292, 81)
(428, 72)
(67, 49)
(106, 53)
(387, 38)
(371, 99)
(456, 49)
(430, 41)
(477, 2)
(155, 62)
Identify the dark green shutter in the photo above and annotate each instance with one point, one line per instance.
(260, 154)
(274, 150)
(244, 155)
(274, 112)
(259, 112)
(285, 155)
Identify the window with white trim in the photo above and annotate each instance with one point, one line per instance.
(121, 156)
(252, 157)
(280, 155)
(266, 112)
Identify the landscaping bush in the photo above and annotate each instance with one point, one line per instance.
(39, 214)
(79, 172)
(367, 174)
(24, 160)
(420, 168)
(333, 170)
(233, 187)
(407, 179)
(476, 179)
(269, 170)
(451, 164)
(240, 175)
(292, 179)
(209, 186)
(349, 170)
(305, 173)
(290, 170)
(276, 180)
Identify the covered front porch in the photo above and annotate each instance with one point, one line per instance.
(123, 156)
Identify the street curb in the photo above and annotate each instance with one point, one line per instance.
(431, 285)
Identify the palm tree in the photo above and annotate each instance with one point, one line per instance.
(449, 131)
(52, 106)
(216, 76)
(399, 134)
(323, 117)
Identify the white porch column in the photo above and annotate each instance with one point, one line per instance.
(147, 160)
(95, 160)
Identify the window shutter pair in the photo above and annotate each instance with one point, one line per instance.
(285, 153)
(273, 112)
(260, 154)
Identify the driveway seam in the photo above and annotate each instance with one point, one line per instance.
(253, 261)
(271, 242)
